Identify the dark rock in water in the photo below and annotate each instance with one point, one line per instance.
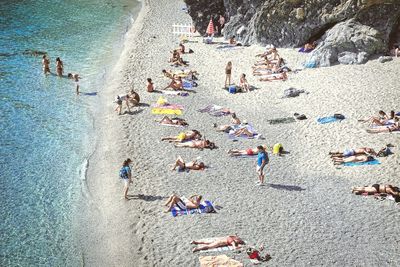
(369, 26)
(34, 52)
(384, 59)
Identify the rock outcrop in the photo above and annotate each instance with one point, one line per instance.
(369, 26)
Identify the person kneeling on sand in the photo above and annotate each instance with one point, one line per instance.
(232, 240)
(192, 165)
(125, 174)
(192, 203)
(183, 136)
(243, 83)
(197, 144)
(356, 158)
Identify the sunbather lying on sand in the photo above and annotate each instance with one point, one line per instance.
(231, 240)
(173, 121)
(242, 131)
(193, 202)
(244, 152)
(377, 188)
(386, 129)
(192, 165)
(274, 77)
(353, 152)
(356, 158)
(226, 128)
(197, 144)
(176, 84)
(183, 136)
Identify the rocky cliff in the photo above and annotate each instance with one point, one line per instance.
(349, 30)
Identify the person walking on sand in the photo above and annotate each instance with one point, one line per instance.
(262, 160)
(46, 64)
(228, 72)
(125, 174)
(59, 67)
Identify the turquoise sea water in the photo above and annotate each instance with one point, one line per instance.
(45, 129)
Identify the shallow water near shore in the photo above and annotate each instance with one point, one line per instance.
(46, 130)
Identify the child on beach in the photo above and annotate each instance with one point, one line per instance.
(119, 105)
(125, 174)
(243, 83)
(262, 160)
(150, 85)
(75, 77)
(228, 73)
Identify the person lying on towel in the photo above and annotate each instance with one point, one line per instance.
(192, 203)
(356, 158)
(231, 240)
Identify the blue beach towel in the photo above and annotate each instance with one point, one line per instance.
(327, 120)
(205, 207)
(371, 162)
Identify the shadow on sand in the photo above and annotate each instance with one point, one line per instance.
(146, 197)
(286, 187)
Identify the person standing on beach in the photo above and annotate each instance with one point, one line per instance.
(125, 174)
(46, 64)
(221, 24)
(262, 160)
(75, 77)
(59, 67)
(228, 72)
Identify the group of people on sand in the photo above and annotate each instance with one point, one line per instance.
(60, 71)
(131, 99)
(243, 85)
(270, 67)
(383, 123)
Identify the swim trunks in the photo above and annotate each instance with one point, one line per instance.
(348, 153)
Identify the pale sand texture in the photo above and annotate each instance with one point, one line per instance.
(318, 222)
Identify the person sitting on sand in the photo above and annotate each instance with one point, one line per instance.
(242, 131)
(197, 144)
(231, 240)
(381, 119)
(173, 121)
(176, 84)
(192, 203)
(281, 76)
(377, 188)
(168, 74)
(308, 47)
(132, 98)
(226, 128)
(192, 165)
(352, 152)
(244, 152)
(243, 83)
(176, 59)
(150, 85)
(183, 136)
(355, 158)
(181, 48)
(386, 129)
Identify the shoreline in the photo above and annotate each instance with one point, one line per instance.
(287, 222)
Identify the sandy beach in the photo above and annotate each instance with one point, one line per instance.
(305, 216)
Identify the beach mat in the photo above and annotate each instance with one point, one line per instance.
(281, 120)
(162, 111)
(371, 162)
(205, 207)
(325, 120)
(218, 261)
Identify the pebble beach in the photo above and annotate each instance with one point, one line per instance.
(306, 215)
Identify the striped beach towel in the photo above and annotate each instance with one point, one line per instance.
(205, 207)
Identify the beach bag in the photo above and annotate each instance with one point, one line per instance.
(292, 92)
(339, 116)
(310, 64)
(232, 89)
(123, 173)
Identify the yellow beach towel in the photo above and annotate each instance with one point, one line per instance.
(166, 111)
